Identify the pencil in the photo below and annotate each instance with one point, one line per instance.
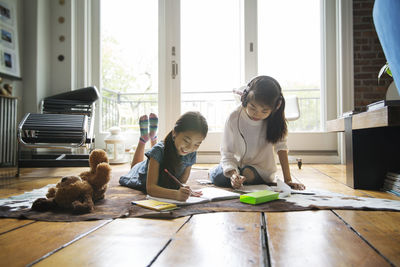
(173, 177)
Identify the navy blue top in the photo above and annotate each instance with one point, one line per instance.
(137, 176)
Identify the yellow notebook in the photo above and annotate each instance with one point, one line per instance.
(155, 204)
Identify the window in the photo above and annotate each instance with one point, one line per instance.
(210, 58)
(129, 62)
(289, 49)
(173, 56)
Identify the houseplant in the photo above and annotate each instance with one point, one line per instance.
(392, 92)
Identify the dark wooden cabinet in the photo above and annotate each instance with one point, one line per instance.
(372, 141)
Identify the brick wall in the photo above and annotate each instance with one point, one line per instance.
(368, 57)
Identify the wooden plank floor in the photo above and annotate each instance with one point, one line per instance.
(220, 239)
(307, 238)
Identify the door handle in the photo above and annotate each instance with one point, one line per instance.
(174, 69)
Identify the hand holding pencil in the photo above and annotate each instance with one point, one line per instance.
(183, 193)
(237, 181)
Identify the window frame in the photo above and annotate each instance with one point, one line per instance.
(337, 95)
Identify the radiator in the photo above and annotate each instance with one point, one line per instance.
(8, 131)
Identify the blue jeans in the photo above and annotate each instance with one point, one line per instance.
(218, 178)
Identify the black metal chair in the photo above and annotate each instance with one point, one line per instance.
(66, 121)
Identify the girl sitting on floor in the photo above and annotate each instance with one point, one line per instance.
(253, 133)
(177, 154)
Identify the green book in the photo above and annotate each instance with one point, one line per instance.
(259, 197)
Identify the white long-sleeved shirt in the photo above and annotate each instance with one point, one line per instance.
(252, 149)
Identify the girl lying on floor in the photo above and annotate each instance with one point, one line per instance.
(179, 147)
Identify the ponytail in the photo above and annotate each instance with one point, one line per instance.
(276, 123)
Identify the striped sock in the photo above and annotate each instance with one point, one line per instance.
(153, 126)
(144, 129)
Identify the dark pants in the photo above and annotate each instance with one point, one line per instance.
(134, 180)
(218, 178)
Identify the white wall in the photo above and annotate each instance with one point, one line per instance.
(42, 73)
(17, 84)
(36, 68)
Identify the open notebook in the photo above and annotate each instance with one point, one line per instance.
(209, 194)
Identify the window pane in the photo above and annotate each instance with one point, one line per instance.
(289, 35)
(210, 58)
(129, 61)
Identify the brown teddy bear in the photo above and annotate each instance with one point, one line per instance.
(78, 193)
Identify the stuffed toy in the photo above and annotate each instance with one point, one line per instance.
(79, 193)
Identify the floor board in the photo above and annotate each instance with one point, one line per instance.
(308, 238)
(313, 178)
(381, 229)
(10, 224)
(26, 184)
(123, 242)
(316, 238)
(27, 244)
(338, 173)
(216, 239)
(55, 172)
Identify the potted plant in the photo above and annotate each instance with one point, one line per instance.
(385, 69)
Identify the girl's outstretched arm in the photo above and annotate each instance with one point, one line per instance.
(157, 191)
(283, 159)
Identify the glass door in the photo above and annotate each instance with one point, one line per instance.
(210, 57)
(291, 53)
(173, 56)
(290, 49)
(129, 64)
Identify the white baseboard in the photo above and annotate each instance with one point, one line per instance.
(310, 157)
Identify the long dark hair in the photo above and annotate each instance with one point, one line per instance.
(267, 91)
(190, 121)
